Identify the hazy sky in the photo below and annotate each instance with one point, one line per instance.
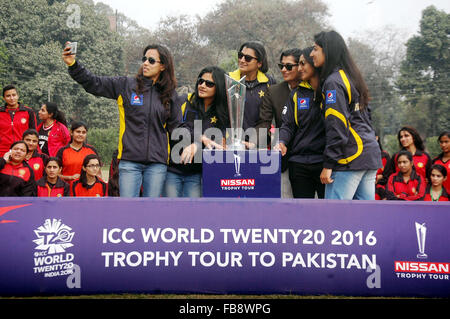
(348, 17)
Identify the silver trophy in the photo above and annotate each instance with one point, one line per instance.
(237, 165)
(421, 232)
(236, 103)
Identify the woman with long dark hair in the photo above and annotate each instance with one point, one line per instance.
(89, 184)
(410, 140)
(207, 104)
(149, 110)
(303, 131)
(53, 132)
(352, 154)
(252, 61)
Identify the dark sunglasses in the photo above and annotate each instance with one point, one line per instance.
(208, 83)
(150, 60)
(287, 66)
(248, 58)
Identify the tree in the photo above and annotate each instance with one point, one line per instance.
(34, 49)
(190, 53)
(424, 80)
(278, 24)
(378, 55)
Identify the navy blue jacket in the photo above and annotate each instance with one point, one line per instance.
(209, 119)
(145, 124)
(255, 92)
(350, 137)
(303, 128)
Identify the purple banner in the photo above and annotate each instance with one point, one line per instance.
(223, 246)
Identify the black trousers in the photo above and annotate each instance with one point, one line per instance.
(305, 180)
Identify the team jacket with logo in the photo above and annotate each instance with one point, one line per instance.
(350, 137)
(397, 189)
(58, 137)
(98, 189)
(145, 124)
(16, 180)
(255, 92)
(439, 160)
(422, 164)
(209, 119)
(443, 198)
(36, 163)
(13, 126)
(60, 189)
(303, 128)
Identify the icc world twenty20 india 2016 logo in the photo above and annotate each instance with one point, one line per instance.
(50, 257)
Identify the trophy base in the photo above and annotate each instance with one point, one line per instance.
(420, 255)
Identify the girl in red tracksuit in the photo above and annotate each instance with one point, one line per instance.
(406, 184)
(435, 191)
(34, 157)
(16, 176)
(53, 132)
(89, 184)
(51, 185)
(409, 139)
(15, 118)
(444, 158)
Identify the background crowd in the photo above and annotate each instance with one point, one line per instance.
(321, 109)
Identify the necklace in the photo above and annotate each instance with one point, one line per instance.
(49, 126)
(435, 199)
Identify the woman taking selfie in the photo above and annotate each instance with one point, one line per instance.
(352, 155)
(149, 110)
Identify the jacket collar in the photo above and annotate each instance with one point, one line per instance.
(260, 77)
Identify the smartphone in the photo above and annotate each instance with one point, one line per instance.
(73, 47)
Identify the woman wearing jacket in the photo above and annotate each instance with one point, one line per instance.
(405, 184)
(34, 158)
(15, 118)
(409, 139)
(444, 158)
(149, 110)
(352, 155)
(73, 154)
(303, 132)
(53, 132)
(16, 176)
(207, 104)
(89, 184)
(51, 185)
(252, 61)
